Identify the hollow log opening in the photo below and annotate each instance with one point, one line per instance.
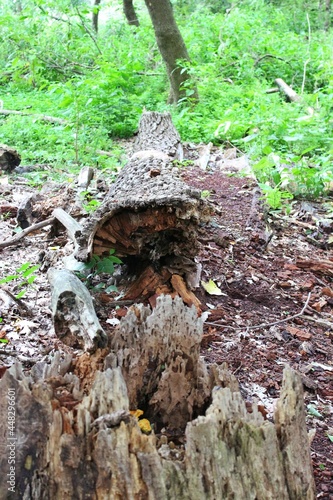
(148, 234)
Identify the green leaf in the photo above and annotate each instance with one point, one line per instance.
(7, 279)
(313, 411)
(330, 437)
(20, 294)
(4, 341)
(30, 271)
(24, 267)
(105, 266)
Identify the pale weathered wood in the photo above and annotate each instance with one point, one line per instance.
(288, 91)
(74, 317)
(76, 443)
(73, 227)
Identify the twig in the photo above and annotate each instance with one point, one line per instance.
(259, 59)
(88, 31)
(266, 325)
(16, 300)
(320, 322)
(26, 231)
(309, 59)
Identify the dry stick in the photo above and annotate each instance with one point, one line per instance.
(26, 231)
(15, 299)
(51, 119)
(265, 325)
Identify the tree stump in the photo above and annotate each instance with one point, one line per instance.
(9, 158)
(73, 440)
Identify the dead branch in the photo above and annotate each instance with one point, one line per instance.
(26, 231)
(259, 59)
(46, 118)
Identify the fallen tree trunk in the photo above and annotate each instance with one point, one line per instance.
(149, 215)
(77, 438)
(74, 318)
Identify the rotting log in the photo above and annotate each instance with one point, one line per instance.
(74, 318)
(149, 215)
(74, 440)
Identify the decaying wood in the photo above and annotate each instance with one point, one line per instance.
(323, 266)
(51, 119)
(74, 318)
(72, 444)
(26, 213)
(9, 158)
(161, 362)
(28, 230)
(149, 215)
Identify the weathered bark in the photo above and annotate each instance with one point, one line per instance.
(150, 215)
(95, 14)
(74, 318)
(172, 48)
(9, 158)
(130, 13)
(74, 440)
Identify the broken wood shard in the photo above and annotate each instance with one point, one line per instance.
(74, 318)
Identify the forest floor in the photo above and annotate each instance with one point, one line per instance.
(274, 273)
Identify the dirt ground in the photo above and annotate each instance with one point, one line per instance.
(273, 271)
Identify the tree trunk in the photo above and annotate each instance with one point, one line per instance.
(130, 13)
(73, 435)
(172, 48)
(95, 14)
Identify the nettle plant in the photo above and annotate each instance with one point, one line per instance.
(23, 278)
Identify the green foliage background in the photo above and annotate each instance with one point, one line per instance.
(53, 63)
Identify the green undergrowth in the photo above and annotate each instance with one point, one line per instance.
(101, 86)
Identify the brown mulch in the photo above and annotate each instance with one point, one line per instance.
(267, 266)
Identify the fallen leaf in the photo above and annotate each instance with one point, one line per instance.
(319, 305)
(314, 412)
(211, 288)
(297, 332)
(327, 291)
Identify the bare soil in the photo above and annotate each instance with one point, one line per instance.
(274, 272)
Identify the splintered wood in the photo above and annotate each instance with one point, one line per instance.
(79, 444)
